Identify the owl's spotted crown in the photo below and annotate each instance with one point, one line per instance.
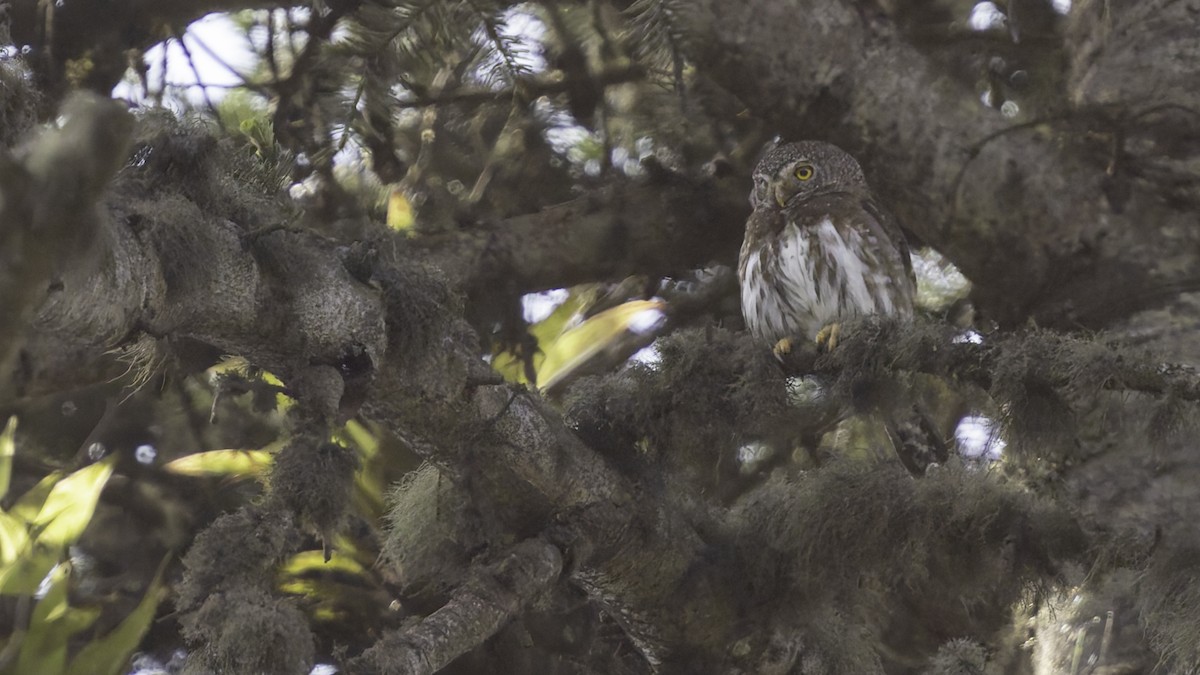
(806, 167)
(826, 156)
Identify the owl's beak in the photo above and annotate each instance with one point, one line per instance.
(780, 197)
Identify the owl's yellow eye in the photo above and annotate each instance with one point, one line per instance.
(804, 172)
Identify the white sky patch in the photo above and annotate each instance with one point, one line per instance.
(526, 31)
(1061, 6)
(226, 49)
(986, 16)
(145, 454)
(978, 437)
(323, 669)
(752, 454)
(147, 664)
(535, 307)
(647, 321)
(968, 336)
(647, 356)
(564, 138)
(296, 16)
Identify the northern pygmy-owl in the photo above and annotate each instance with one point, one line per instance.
(818, 249)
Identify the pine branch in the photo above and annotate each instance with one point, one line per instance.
(503, 46)
(656, 39)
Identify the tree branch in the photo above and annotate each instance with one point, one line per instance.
(1060, 361)
(48, 220)
(527, 88)
(495, 595)
(656, 227)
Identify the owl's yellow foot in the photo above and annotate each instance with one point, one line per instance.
(782, 347)
(827, 337)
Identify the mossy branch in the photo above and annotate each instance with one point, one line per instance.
(492, 597)
(1061, 361)
(47, 202)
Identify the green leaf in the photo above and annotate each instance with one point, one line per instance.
(362, 438)
(110, 654)
(400, 212)
(237, 463)
(328, 587)
(69, 506)
(51, 625)
(29, 569)
(7, 449)
(14, 538)
(26, 508)
(579, 344)
(314, 561)
(512, 367)
(368, 479)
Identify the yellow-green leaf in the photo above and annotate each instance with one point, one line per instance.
(239, 463)
(230, 364)
(26, 573)
(14, 538)
(110, 654)
(314, 561)
(512, 367)
(399, 211)
(579, 344)
(7, 449)
(51, 624)
(29, 504)
(328, 584)
(362, 438)
(545, 332)
(69, 506)
(564, 316)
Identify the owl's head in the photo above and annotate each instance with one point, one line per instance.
(797, 171)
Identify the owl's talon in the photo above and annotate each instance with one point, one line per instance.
(782, 347)
(827, 337)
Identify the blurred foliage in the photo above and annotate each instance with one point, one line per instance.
(399, 211)
(42, 566)
(231, 463)
(36, 534)
(567, 340)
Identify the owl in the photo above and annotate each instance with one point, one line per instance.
(818, 249)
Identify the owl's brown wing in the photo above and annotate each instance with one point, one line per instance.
(890, 230)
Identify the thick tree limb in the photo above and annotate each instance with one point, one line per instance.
(168, 269)
(655, 227)
(635, 556)
(47, 207)
(483, 605)
(1061, 362)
